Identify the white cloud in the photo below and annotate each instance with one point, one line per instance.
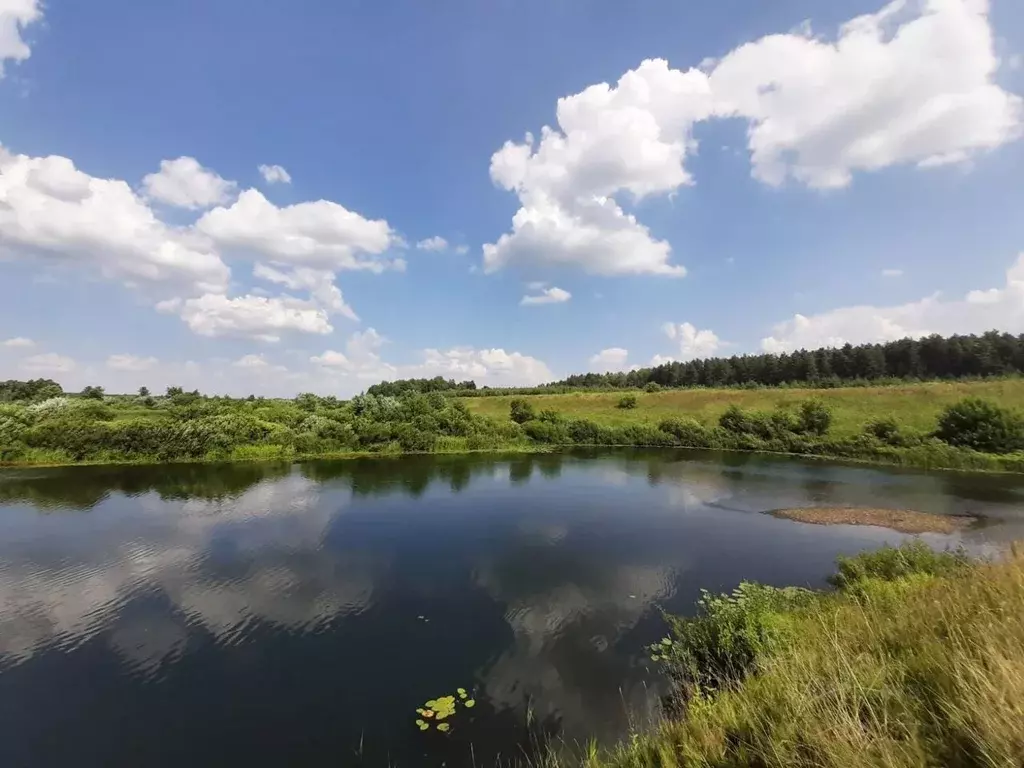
(318, 282)
(436, 243)
(49, 207)
(493, 367)
(131, 363)
(977, 312)
(547, 296)
(631, 138)
(909, 84)
(319, 234)
(611, 359)
(275, 174)
(692, 342)
(905, 85)
(185, 183)
(18, 341)
(461, 250)
(251, 316)
(15, 15)
(892, 273)
(48, 363)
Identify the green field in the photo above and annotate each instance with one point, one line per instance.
(915, 406)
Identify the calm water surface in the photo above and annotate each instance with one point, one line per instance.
(280, 614)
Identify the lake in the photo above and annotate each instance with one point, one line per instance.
(298, 614)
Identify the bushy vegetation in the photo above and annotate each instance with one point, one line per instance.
(916, 660)
(39, 424)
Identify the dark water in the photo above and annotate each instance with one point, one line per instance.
(277, 614)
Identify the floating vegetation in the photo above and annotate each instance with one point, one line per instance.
(438, 711)
(660, 650)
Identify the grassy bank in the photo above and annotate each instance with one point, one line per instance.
(904, 425)
(916, 660)
(917, 406)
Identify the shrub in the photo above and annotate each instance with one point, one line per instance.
(721, 645)
(520, 411)
(549, 415)
(93, 393)
(815, 417)
(981, 425)
(885, 430)
(415, 440)
(687, 432)
(652, 386)
(627, 402)
(547, 432)
(913, 558)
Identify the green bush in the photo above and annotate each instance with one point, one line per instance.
(552, 432)
(687, 432)
(914, 558)
(520, 411)
(981, 425)
(652, 386)
(815, 417)
(721, 645)
(627, 402)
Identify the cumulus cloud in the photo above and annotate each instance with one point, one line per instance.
(611, 359)
(629, 138)
(15, 15)
(184, 183)
(493, 367)
(318, 282)
(275, 174)
(50, 208)
(692, 342)
(551, 295)
(48, 363)
(18, 342)
(131, 363)
(320, 234)
(909, 84)
(904, 85)
(436, 244)
(258, 317)
(977, 312)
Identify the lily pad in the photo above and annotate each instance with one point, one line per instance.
(470, 703)
(443, 727)
(422, 725)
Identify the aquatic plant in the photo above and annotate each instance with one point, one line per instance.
(438, 711)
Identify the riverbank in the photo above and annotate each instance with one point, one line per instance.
(916, 659)
(189, 427)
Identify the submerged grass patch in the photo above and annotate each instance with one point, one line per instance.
(902, 520)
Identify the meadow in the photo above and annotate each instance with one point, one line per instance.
(915, 406)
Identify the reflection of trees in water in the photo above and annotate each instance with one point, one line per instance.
(85, 487)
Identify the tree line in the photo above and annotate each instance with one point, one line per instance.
(931, 357)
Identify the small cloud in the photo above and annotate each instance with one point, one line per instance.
(435, 244)
(537, 285)
(551, 295)
(48, 363)
(131, 363)
(892, 273)
(611, 359)
(19, 342)
(275, 174)
(251, 361)
(461, 250)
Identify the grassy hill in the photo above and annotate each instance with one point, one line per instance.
(915, 406)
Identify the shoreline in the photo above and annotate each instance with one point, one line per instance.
(884, 460)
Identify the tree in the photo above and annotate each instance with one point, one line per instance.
(981, 425)
(143, 391)
(172, 391)
(520, 411)
(93, 393)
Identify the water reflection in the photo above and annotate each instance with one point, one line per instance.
(282, 614)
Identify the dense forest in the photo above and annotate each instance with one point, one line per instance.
(933, 357)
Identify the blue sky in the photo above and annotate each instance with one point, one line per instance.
(825, 173)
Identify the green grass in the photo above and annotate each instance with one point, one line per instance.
(915, 406)
(922, 666)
